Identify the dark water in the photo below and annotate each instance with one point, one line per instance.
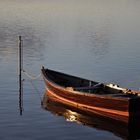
(94, 39)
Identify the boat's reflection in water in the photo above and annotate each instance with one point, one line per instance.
(125, 131)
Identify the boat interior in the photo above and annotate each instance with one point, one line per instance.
(88, 86)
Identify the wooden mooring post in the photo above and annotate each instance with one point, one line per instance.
(20, 76)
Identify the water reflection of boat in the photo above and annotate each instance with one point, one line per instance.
(90, 97)
(129, 131)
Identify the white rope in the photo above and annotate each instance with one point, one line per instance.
(31, 76)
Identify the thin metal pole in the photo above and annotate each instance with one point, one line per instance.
(20, 76)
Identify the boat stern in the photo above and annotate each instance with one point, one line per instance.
(134, 110)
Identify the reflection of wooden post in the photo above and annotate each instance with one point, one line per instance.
(20, 76)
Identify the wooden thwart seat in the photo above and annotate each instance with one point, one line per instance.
(99, 85)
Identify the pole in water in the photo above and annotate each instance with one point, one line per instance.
(20, 77)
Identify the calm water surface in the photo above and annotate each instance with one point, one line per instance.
(94, 39)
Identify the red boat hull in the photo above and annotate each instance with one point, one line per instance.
(108, 107)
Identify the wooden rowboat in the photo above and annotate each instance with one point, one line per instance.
(108, 100)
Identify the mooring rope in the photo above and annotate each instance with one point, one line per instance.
(29, 75)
